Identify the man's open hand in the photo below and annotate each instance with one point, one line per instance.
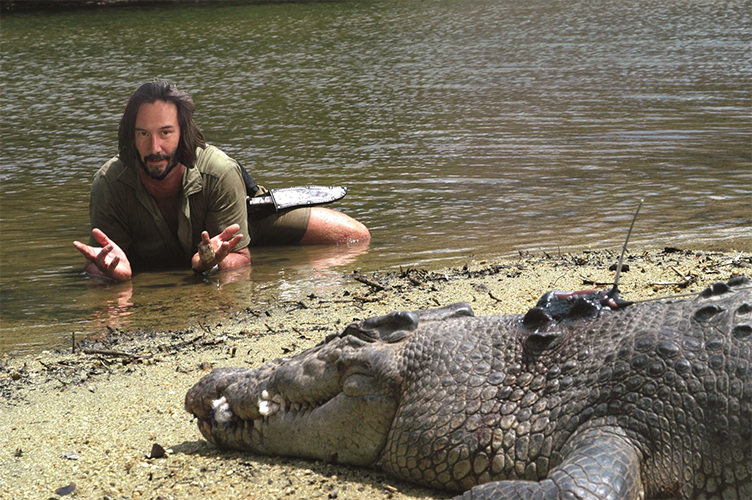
(107, 261)
(213, 251)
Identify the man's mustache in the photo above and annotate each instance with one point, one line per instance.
(156, 157)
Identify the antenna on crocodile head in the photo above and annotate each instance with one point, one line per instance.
(614, 292)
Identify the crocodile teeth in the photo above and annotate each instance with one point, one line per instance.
(267, 408)
(280, 401)
(269, 405)
(222, 412)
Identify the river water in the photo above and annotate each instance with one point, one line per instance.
(462, 128)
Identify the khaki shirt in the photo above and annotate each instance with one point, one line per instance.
(213, 197)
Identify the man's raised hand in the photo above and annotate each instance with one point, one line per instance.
(213, 251)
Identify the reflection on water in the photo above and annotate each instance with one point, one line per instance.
(461, 127)
(116, 303)
(175, 299)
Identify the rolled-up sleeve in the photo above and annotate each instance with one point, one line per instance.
(107, 213)
(227, 204)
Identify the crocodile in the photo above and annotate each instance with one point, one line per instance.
(651, 400)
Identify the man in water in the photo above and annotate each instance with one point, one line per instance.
(170, 199)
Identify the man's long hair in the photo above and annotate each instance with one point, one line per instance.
(190, 135)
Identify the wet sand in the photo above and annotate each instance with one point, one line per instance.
(82, 424)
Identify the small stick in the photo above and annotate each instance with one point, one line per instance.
(591, 282)
(107, 352)
(371, 283)
(667, 283)
(678, 273)
(615, 289)
(414, 281)
(194, 339)
(366, 299)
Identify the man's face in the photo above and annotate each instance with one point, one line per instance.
(157, 137)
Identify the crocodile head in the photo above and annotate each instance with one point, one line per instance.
(335, 401)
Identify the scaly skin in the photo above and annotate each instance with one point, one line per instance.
(649, 401)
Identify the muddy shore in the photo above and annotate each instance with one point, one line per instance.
(84, 424)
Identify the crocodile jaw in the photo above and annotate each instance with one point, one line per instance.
(341, 413)
(345, 429)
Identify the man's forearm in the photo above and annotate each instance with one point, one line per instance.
(236, 259)
(233, 259)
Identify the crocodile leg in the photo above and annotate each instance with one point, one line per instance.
(602, 464)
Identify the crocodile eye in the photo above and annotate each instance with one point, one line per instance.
(536, 317)
(394, 337)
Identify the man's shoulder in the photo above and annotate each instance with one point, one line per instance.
(113, 170)
(211, 160)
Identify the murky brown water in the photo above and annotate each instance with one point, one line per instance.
(462, 128)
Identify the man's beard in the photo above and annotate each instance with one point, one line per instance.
(172, 162)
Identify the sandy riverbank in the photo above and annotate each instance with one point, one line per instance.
(91, 417)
